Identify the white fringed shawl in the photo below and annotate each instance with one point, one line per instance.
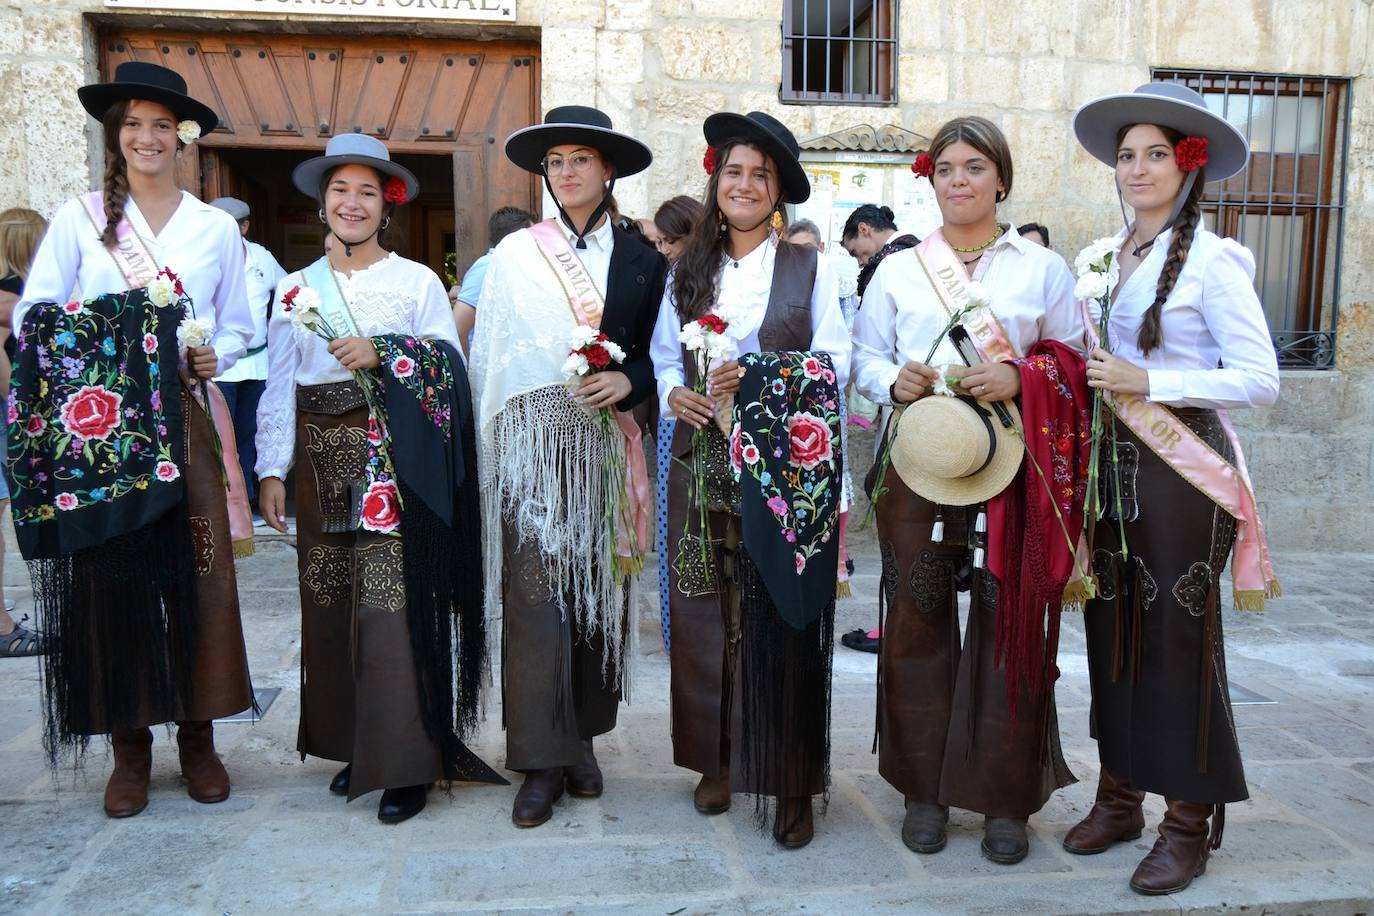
(540, 453)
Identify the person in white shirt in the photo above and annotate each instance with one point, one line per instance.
(785, 298)
(946, 734)
(373, 414)
(109, 242)
(1185, 341)
(558, 449)
(244, 382)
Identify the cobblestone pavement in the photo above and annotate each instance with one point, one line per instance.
(1304, 843)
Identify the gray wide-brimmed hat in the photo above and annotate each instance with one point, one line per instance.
(584, 126)
(770, 135)
(233, 206)
(139, 80)
(1165, 105)
(351, 149)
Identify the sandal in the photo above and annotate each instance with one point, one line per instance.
(20, 642)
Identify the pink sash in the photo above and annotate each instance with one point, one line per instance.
(950, 282)
(1227, 485)
(138, 267)
(587, 307)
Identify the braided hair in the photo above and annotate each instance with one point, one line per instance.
(116, 184)
(695, 272)
(1151, 334)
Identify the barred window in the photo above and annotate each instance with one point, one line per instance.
(839, 51)
(1288, 204)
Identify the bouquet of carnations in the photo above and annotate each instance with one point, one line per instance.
(1098, 271)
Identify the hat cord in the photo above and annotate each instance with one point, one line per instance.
(1173, 214)
(771, 211)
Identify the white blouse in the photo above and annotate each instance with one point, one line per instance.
(1031, 290)
(748, 283)
(199, 244)
(392, 296)
(262, 273)
(1217, 351)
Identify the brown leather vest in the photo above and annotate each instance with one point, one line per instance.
(786, 323)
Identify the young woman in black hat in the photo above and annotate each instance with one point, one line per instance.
(1186, 340)
(185, 661)
(733, 720)
(559, 447)
(367, 397)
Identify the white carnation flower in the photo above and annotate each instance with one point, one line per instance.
(978, 296)
(575, 366)
(583, 335)
(188, 131)
(692, 336)
(194, 332)
(307, 300)
(1091, 285)
(941, 384)
(162, 292)
(613, 348)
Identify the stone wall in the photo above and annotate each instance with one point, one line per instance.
(658, 67)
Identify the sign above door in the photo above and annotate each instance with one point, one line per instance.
(419, 10)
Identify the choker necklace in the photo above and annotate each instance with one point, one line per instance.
(996, 234)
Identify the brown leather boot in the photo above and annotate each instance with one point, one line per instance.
(793, 826)
(584, 779)
(1116, 816)
(1180, 853)
(712, 795)
(534, 802)
(126, 793)
(206, 779)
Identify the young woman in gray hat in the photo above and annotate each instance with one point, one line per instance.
(367, 398)
(122, 679)
(1186, 340)
(559, 447)
(732, 720)
(949, 731)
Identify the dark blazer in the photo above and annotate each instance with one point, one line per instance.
(634, 291)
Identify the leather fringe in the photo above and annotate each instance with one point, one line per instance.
(244, 548)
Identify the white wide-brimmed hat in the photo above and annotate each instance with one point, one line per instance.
(954, 451)
(1173, 105)
(351, 149)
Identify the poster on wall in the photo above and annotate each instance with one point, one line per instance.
(837, 189)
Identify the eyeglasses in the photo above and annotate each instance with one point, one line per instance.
(578, 162)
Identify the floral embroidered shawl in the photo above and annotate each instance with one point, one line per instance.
(785, 448)
(95, 423)
(1028, 550)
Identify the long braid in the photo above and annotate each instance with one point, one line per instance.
(1151, 334)
(116, 184)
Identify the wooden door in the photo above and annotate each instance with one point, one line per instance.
(294, 92)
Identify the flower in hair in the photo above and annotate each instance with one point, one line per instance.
(394, 192)
(188, 131)
(1191, 153)
(708, 161)
(923, 166)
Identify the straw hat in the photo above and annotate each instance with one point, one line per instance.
(954, 451)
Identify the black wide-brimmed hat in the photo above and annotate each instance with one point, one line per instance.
(136, 79)
(770, 135)
(1165, 105)
(351, 149)
(581, 125)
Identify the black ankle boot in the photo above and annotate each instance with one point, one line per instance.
(401, 804)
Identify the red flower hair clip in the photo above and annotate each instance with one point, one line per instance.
(923, 166)
(708, 161)
(1191, 153)
(394, 192)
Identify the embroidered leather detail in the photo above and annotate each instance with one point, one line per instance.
(932, 582)
(328, 575)
(332, 399)
(988, 588)
(1105, 570)
(1145, 584)
(722, 490)
(889, 578)
(1126, 467)
(381, 575)
(697, 576)
(339, 456)
(203, 543)
(1192, 589)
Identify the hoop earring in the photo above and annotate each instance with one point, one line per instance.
(386, 221)
(321, 215)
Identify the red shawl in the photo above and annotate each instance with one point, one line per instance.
(1028, 550)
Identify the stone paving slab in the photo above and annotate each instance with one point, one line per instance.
(1304, 842)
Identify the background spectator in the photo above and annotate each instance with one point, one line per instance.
(501, 224)
(1035, 232)
(805, 232)
(675, 218)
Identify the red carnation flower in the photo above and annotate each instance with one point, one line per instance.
(1191, 153)
(923, 166)
(395, 191)
(712, 323)
(176, 281)
(289, 297)
(598, 357)
(708, 161)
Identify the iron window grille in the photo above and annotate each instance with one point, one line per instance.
(839, 51)
(1288, 204)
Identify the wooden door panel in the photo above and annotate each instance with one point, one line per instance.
(471, 205)
(322, 66)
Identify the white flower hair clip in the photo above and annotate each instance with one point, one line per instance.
(188, 131)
